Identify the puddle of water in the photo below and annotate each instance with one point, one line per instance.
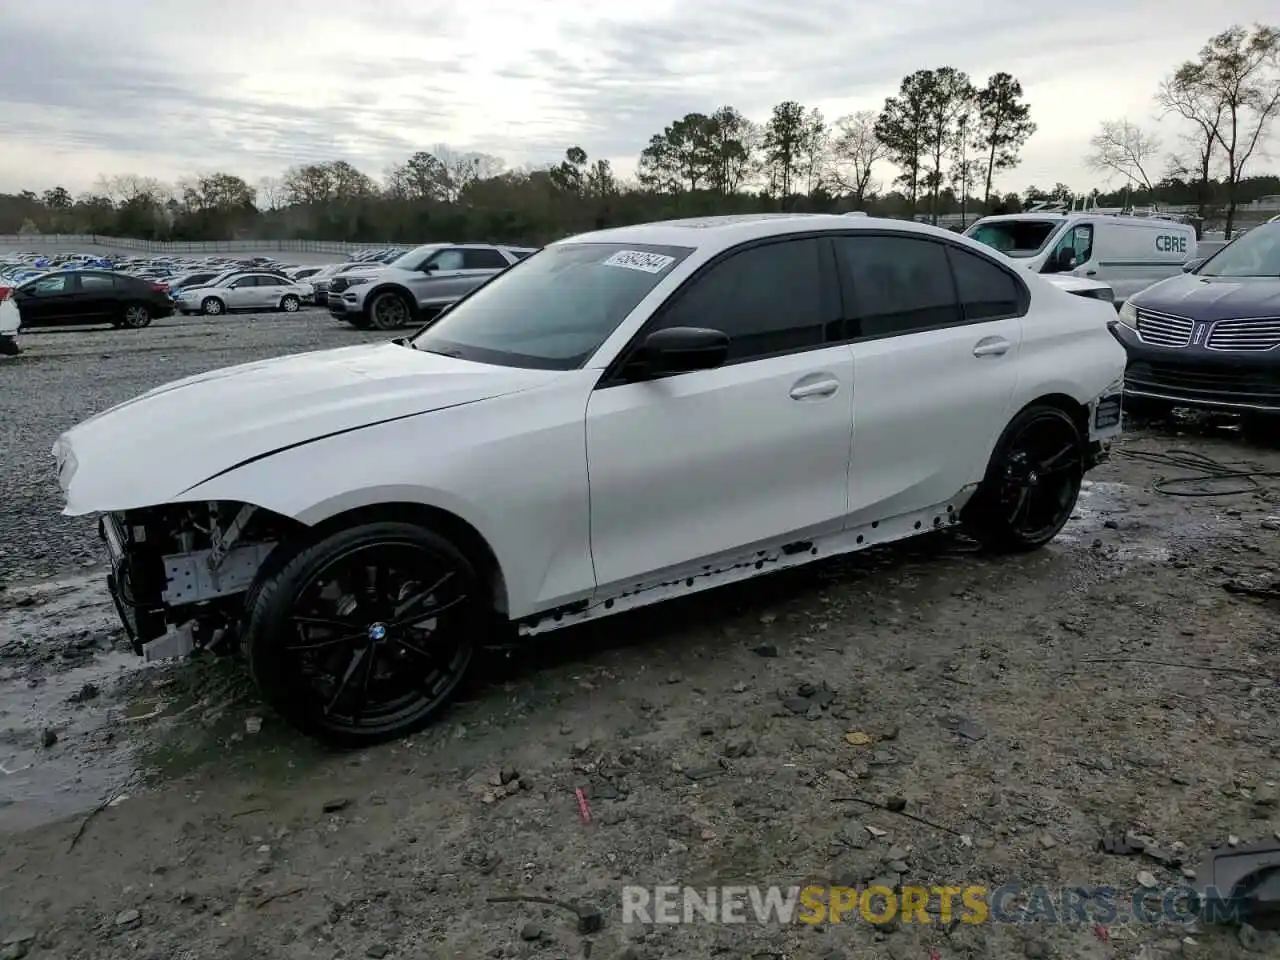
(1101, 501)
(57, 640)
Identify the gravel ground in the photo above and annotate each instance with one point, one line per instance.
(921, 715)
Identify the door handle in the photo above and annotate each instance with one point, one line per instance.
(1091, 273)
(992, 347)
(807, 391)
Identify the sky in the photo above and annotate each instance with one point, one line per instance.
(171, 88)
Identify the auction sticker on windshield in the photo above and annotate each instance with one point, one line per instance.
(639, 260)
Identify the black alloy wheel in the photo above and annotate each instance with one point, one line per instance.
(365, 636)
(1033, 482)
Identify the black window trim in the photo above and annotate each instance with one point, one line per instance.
(827, 269)
(849, 299)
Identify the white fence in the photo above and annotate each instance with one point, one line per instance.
(42, 241)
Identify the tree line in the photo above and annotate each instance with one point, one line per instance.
(943, 138)
(1226, 101)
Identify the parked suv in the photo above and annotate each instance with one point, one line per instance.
(422, 281)
(1209, 338)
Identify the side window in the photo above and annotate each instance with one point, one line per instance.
(96, 283)
(48, 285)
(481, 259)
(270, 282)
(898, 285)
(1079, 241)
(447, 260)
(986, 291)
(243, 282)
(768, 299)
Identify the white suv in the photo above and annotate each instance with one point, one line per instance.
(624, 417)
(418, 283)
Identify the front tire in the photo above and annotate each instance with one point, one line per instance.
(390, 310)
(9, 347)
(364, 635)
(290, 304)
(1032, 482)
(213, 307)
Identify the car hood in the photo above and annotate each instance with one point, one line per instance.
(1209, 299)
(154, 448)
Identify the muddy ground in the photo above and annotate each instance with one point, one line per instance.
(1019, 709)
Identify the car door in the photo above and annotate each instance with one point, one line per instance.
(715, 461)
(96, 296)
(1073, 254)
(242, 293)
(446, 278)
(47, 300)
(269, 292)
(935, 331)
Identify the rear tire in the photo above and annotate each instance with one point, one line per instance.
(9, 347)
(1032, 482)
(212, 307)
(364, 635)
(136, 316)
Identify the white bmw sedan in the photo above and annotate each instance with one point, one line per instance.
(624, 417)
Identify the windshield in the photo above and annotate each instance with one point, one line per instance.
(1256, 254)
(1015, 238)
(413, 259)
(551, 311)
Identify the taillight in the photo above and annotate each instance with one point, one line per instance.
(160, 287)
(4, 293)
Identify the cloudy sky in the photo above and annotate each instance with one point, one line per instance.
(165, 88)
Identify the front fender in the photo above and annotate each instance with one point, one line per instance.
(514, 468)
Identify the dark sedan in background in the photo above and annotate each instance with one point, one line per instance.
(71, 297)
(1209, 338)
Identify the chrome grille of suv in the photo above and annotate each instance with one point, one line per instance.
(1245, 335)
(1164, 330)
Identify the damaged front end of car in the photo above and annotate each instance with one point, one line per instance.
(179, 572)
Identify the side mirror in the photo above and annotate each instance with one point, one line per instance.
(1064, 260)
(1191, 265)
(430, 267)
(679, 350)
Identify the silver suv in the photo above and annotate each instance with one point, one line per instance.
(421, 282)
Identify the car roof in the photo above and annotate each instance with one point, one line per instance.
(720, 233)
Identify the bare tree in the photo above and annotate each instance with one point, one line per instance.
(855, 150)
(131, 188)
(271, 193)
(1180, 95)
(1125, 148)
(1235, 81)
